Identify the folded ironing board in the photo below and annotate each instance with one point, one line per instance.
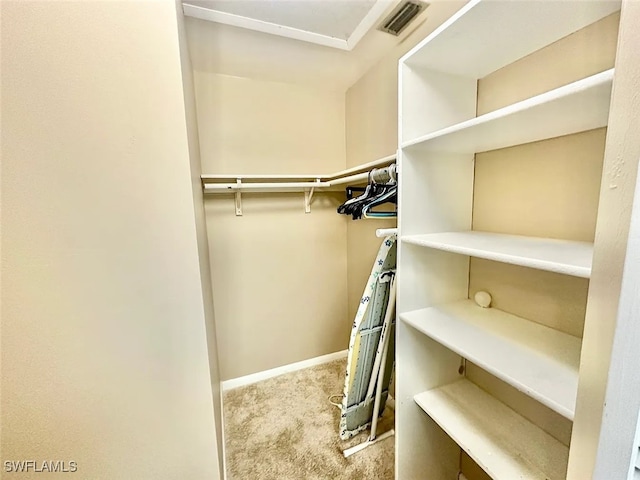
(365, 345)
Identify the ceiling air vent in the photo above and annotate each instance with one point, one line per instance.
(401, 16)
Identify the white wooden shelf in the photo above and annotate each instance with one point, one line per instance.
(573, 108)
(485, 36)
(537, 360)
(440, 131)
(559, 256)
(504, 444)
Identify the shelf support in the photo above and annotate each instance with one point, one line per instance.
(308, 196)
(238, 198)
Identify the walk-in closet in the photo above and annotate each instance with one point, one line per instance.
(321, 240)
(501, 142)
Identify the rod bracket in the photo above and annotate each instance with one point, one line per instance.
(238, 198)
(308, 196)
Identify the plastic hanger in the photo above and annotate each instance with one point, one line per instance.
(390, 196)
(344, 208)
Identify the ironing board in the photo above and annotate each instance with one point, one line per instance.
(365, 346)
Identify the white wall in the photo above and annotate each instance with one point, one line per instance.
(104, 353)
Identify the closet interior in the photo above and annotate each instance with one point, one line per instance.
(502, 115)
(280, 143)
(172, 176)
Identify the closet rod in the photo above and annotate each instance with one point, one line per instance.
(294, 186)
(359, 168)
(347, 175)
(281, 186)
(214, 184)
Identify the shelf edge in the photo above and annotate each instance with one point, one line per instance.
(559, 93)
(549, 266)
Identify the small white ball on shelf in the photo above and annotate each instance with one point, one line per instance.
(483, 299)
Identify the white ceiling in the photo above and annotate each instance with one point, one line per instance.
(331, 18)
(333, 23)
(222, 48)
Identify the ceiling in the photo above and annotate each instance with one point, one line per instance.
(225, 42)
(334, 23)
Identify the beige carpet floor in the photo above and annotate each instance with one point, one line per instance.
(285, 428)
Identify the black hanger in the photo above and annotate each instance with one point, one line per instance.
(355, 208)
(372, 195)
(344, 208)
(391, 196)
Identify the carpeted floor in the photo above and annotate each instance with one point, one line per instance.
(285, 428)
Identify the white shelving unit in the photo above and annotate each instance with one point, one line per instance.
(579, 106)
(535, 359)
(439, 410)
(485, 36)
(560, 256)
(502, 442)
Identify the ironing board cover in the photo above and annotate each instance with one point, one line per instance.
(357, 407)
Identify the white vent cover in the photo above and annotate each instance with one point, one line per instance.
(401, 16)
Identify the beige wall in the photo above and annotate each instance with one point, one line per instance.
(372, 102)
(526, 190)
(201, 226)
(255, 126)
(104, 356)
(585, 52)
(279, 275)
(372, 133)
(367, 102)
